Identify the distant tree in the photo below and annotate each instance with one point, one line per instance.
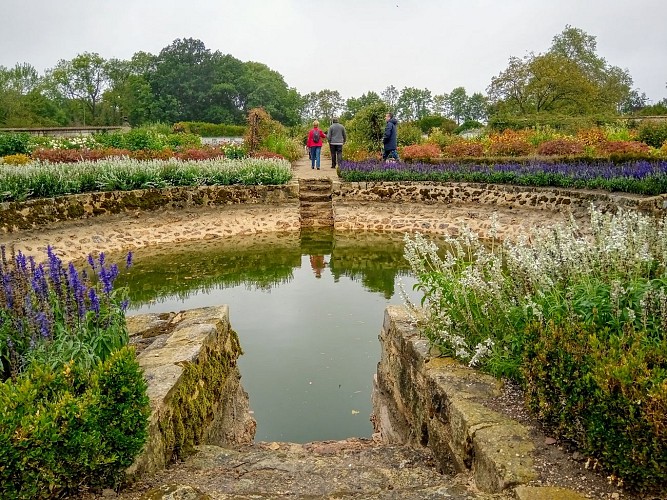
(477, 108)
(82, 80)
(457, 104)
(330, 104)
(390, 96)
(353, 105)
(414, 104)
(570, 79)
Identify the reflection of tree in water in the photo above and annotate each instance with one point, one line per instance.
(374, 259)
(185, 271)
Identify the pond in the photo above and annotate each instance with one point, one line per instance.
(308, 309)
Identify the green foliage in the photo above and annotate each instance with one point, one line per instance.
(409, 133)
(579, 319)
(429, 122)
(652, 133)
(610, 384)
(204, 129)
(147, 138)
(64, 428)
(558, 122)
(367, 127)
(11, 144)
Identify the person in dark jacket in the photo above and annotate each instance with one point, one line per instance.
(389, 140)
(336, 137)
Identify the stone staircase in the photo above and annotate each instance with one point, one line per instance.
(350, 469)
(315, 202)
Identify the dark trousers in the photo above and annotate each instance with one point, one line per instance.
(390, 153)
(336, 154)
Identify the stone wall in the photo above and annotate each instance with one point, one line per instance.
(189, 362)
(430, 401)
(45, 211)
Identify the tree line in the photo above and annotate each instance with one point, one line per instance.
(188, 82)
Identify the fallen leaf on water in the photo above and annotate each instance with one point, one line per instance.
(354, 412)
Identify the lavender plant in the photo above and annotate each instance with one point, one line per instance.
(51, 313)
(642, 177)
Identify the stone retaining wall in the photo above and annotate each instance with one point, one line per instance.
(438, 403)
(44, 211)
(189, 362)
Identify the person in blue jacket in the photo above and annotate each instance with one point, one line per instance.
(389, 140)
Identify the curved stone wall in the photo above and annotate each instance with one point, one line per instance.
(42, 212)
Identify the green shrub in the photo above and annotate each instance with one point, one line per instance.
(653, 134)
(430, 122)
(11, 144)
(408, 134)
(604, 391)
(61, 429)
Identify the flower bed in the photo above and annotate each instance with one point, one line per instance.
(641, 177)
(45, 180)
(73, 403)
(580, 321)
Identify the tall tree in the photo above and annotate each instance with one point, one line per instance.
(353, 105)
(570, 78)
(414, 103)
(457, 104)
(390, 96)
(82, 80)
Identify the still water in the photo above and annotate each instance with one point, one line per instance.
(308, 310)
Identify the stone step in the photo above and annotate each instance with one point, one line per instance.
(322, 196)
(350, 469)
(317, 205)
(317, 186)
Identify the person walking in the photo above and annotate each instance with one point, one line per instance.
(336, 137)
(315, 138)
(389, 140)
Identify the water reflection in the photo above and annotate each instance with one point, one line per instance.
(307, 307)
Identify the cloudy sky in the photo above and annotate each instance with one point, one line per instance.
(348, 45)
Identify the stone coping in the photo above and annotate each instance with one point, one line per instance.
(423, 399)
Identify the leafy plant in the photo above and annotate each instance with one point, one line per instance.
(653, 134)
(579, 319)
(45, 180)
(420, 152)
(11, 144)
(560, 147)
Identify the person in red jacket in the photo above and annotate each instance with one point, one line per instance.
(315, 140)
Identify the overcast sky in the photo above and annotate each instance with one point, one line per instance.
(347, 45)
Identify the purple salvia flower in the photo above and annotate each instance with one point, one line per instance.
(102, 258)
(21, 262)
(124, 305)
(94, 301)
(78, 289)
(9, 291)
(55, 267)
(128, 260)
(91, 261)
(38, 282)
(44, 325)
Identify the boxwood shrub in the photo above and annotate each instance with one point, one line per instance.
(64, 428)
